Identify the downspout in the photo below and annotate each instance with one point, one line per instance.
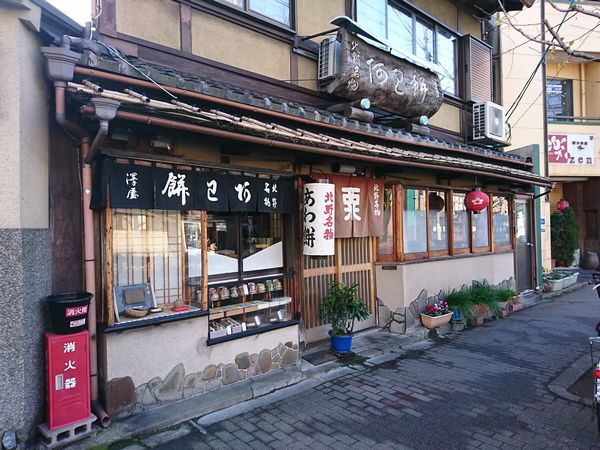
(60, 62)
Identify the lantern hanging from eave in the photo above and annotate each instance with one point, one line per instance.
(477, 201)
(562, 204)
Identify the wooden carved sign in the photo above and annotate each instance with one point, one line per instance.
(389, 82)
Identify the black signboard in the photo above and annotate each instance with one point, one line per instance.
(212, 192)
(243, 194)
(174, 189)
(131, 186)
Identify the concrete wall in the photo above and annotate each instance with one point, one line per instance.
(149, 367)
(310, 23)
(24, 234)
(398, 288)
(145, 353)
(592, 89)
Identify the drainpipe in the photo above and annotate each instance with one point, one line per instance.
(60, 62)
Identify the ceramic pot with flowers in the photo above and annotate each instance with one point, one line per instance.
(436, 315)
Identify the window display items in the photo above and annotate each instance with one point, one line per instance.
(260, 288)
(233, 292)
(243, 290)
(252, 288)
(223, 293)
(213, 294)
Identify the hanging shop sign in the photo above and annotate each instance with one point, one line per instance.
(150, 187)
(573, 149)
(390, 82)
(358, 207)
(319, 219)
(132, 186)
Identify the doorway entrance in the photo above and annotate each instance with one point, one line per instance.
(524, 248)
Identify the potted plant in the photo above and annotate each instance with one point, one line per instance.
(564, 234)
(436, 315)
(341, 308)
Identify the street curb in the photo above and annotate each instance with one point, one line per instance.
(568, 377)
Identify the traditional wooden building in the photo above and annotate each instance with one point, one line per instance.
(196, 126)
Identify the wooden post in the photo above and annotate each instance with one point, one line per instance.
(109, 299)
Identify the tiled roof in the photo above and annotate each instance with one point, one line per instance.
(166, 76)
(214, 118)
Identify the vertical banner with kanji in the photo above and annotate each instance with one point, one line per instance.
(319, 219)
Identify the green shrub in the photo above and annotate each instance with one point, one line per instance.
(479, 294)
(564, 235)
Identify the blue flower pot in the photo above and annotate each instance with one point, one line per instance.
(341, 344)
(456, 316)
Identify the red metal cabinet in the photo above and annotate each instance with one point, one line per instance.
(68, 388)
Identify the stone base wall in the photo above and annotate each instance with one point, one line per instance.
(123, 399)
(401, 318)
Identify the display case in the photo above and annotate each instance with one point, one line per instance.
(251, 304)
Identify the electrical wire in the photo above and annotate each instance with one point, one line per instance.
(519, 97)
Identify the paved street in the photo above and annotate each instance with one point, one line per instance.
(485, 388)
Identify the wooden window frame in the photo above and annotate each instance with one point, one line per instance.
(398, 254)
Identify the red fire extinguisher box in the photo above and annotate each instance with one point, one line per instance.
(68, 388)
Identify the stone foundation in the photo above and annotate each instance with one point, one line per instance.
(399, 320)
(122, 399)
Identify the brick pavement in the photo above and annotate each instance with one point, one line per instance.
(483, 389)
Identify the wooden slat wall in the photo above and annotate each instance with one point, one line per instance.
(353, 263)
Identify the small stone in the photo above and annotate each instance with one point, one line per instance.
(289, 344)
(242, 374)
(275, 366)
(9, 440)
(190, 380)
(265, 361)
(154, 382)
(212, 385)
(219, 373)
(274, 352)
(209, 372)
(243, 360)
(289, 358)
(171, 389)
(187, 393)
(230, 374)
(148, 398)
(221, 366)
(139, 391)
(281, 349)
(276, 358)
(254, 357)
(254, 370)
(295, 347)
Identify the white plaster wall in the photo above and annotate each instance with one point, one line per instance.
(145, 353)
(398, 288)
(24, 119)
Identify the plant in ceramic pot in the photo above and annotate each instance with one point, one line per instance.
(341, 308)
(436, 315)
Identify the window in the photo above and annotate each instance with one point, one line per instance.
(410, 33)
(277, 10)
(501, 218)
(414, 220)
(462, 237)
(559, 99)
(258, 236)
(435, 222)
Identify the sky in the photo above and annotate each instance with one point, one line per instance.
(78, 10)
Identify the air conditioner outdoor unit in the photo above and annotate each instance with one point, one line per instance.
(329, 59)
(489, 123)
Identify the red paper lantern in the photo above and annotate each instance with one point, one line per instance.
(477, 201)
(562, 205)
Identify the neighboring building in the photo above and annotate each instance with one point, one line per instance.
(202, 130)
(26, 214)
(569, 150)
